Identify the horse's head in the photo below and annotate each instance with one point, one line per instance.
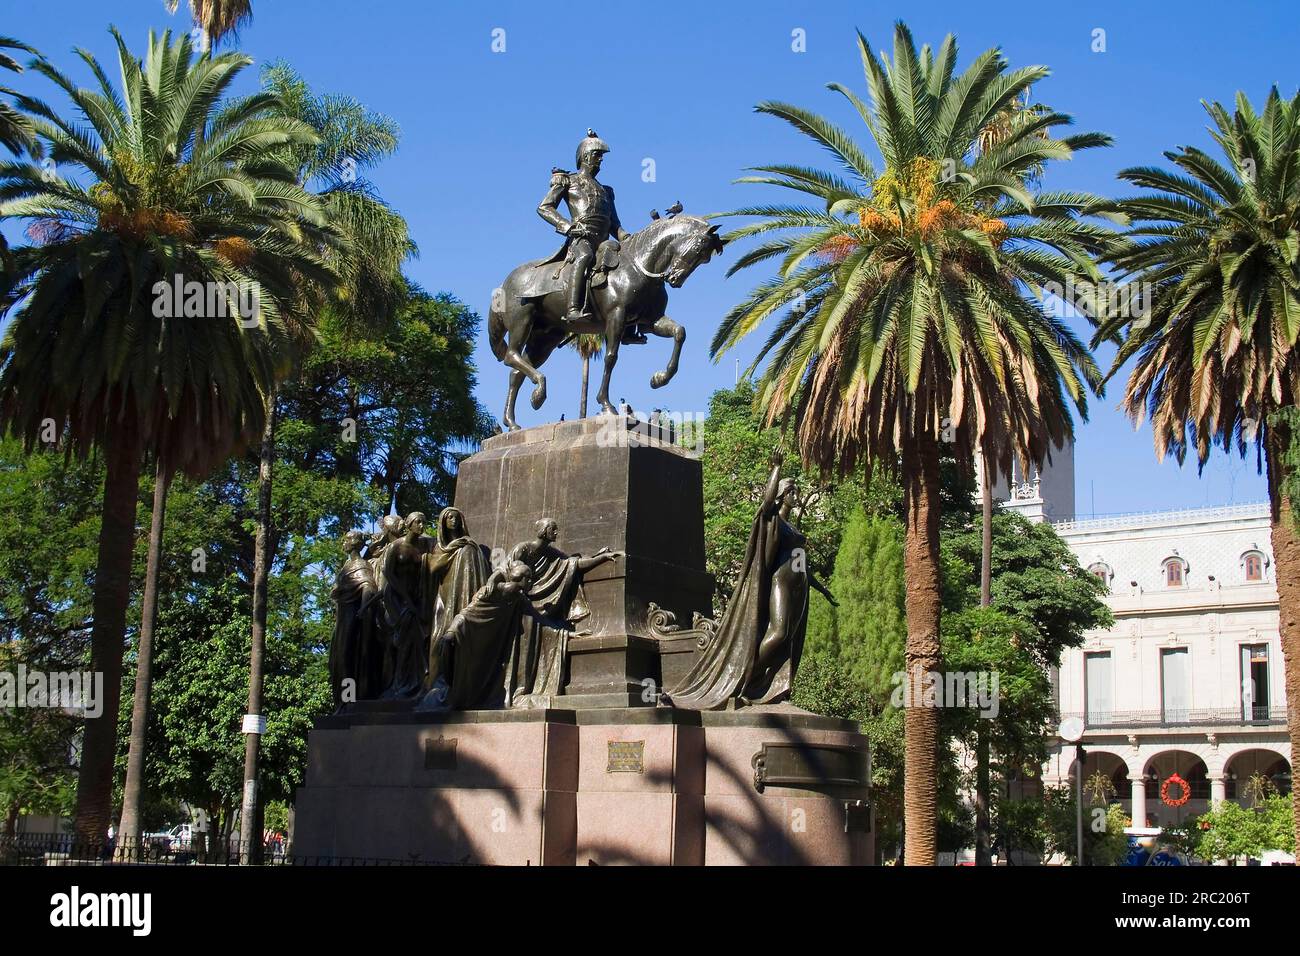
(671, 249)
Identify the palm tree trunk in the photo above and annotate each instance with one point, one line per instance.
(250, 833)
(582, 400)
(128, 831)
(986, 539)
(94, 806)
(920, 723)
(983, 779)
(1286, 552)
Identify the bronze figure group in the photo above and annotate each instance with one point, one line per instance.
(427, 619)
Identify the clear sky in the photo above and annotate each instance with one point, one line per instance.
(675, 82)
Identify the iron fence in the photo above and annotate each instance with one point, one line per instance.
(1234, 716)
(57, 849)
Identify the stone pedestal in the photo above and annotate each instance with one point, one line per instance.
(606, 486)
(635, 785)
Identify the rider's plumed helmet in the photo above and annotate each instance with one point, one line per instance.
(591, 143)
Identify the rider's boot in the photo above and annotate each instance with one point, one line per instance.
(577, 309)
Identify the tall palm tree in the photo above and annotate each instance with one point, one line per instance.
(910, 320)
(1217, 246)
(17, 134)
(169, 179)
(215, 19)
(587, 345)
(1004, 125)
(349, 140)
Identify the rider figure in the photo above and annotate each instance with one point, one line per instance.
(592, 219)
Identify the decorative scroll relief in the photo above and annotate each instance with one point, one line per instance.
(663, 626)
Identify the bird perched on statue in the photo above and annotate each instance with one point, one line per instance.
(674, 209)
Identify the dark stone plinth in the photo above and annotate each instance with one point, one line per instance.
(648, 785)
(606, 487)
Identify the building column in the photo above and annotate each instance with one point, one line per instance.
(1218, 790)
(1139, 810)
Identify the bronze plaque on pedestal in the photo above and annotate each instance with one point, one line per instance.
(440, 754)
(626, 756)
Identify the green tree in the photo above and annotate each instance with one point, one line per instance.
(1215, 249)
(1104, 844)
(349, 139)
(908, 306)
(737, 446)
(176, 179)
(1036, 578)
(393, 408)
(1230, 830)
(868, 631)
(196, 751)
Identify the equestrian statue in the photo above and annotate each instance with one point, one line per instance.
(602, 281)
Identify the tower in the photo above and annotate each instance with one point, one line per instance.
(1044, 494)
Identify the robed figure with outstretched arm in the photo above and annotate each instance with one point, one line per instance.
(755, 652)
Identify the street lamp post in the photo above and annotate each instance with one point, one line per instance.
(1071, 732)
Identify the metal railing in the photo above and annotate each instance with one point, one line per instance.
(1147, 519)
(1233, 716)
(58, 849)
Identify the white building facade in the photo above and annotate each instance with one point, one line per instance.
(1187, 684)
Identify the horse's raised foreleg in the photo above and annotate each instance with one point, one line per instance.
(513, 356)
(613, 337)
(516, 379)
(667, 328)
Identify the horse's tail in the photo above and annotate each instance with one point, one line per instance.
(497, 330)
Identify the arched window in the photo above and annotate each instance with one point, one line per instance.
(1253, 564)
(1175, 572)
(1101, 570)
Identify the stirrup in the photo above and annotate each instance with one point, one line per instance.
(574, 316)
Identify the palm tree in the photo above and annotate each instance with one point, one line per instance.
(349, 139)
(1017, 113)
(17, 134)
(215, 19)
(587, 345)
(174, 185)
(1217, 248)
(910, 317)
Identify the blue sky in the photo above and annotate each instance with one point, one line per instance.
(676, 82)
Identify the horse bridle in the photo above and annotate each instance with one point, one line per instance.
(692, 249)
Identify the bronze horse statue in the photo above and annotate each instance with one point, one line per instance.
(627, 298)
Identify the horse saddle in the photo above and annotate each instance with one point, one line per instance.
(557, 279)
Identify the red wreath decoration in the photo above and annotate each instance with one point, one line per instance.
(1184, 795)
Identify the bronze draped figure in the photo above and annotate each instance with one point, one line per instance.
(356, 659)
(403, 591)
(455, 569)
(753, 653)
(535, 670)
(477, 642)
